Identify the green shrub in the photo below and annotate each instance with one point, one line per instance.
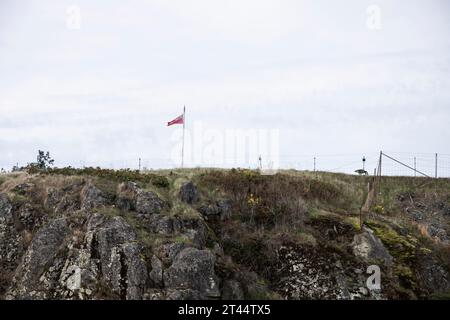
(379, 209)
(123, 175)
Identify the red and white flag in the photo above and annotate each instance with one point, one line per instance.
(177, 120)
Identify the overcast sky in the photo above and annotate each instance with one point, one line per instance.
(330, 77)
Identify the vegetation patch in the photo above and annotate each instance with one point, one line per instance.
(403, 248)
(405, 276)
(123, 175)
(183, 210)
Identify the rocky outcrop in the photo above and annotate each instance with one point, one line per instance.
(167, 252)
(429, 211)
(184, 273)
(81, 238)
(307, 273)
(131, 197)
(126, 196)
(193, 229)
(148, 202)
(66, 199)
(367, 246)
(220, 208)
(232, 290)
(5, 208)
(11, 243)
(40, 257)
(92, 197)
(436, 231)
(156, 275)
(27, 217)
(96, 255)
(189, 193)
(118, 256)
(193, 269)
(432, 276)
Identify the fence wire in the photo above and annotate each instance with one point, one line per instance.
(339, 163)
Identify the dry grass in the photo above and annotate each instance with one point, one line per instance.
(13, 179)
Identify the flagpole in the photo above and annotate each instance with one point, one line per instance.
(182, 148)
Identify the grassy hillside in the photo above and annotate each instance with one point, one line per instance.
(315, 215)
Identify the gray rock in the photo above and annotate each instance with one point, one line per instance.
(218, 250)
(225, 207)
(160, 224)
(125, 204)
(92, 197)
(133, 271)
(232, 290)
(168, 252)
(131, 197)
(156, 275)
(209, 210)
(435, 231)
(322, 276)
(196, 236)
(193, 269)
(119, 257)
(172, 294)
(11, 241)
(220, 208)
(66, 199)
(417, 215)
(40, 257)
(129, 189)
(367, 246)
(431, 275)
(27, 217)
(5, 209)
(193, 229)
(183, 294)
(254, 287)
(126, 196)
(189, 193)
(148, 202)
(154, 294)
(109, 234)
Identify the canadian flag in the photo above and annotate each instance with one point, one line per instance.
(177, 120)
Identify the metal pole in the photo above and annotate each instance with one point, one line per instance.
(435, 166)
(314, 163)
(415, 167)
(182, 148)
(381, 156)
(139, 164)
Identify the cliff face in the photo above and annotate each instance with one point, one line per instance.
(94, 234)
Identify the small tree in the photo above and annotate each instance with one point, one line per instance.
(44, 161)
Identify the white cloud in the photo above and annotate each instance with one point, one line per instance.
(307, 68)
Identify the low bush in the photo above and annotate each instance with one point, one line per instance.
(123, 175)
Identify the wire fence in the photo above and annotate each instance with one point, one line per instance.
(426, 163)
